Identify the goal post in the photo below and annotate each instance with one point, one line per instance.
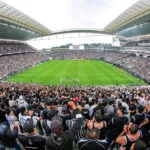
(69, 81)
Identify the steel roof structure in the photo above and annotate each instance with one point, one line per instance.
(132, 20)
(80, 30)
(15, 25)
(15, 22)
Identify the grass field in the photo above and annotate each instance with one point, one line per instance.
(76, 72)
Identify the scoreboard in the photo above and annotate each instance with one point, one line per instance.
(76, 47)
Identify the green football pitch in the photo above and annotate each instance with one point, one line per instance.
(76, 72)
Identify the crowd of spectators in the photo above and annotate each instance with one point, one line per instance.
(13, 63)
(137, 65)
(15, 57)
(7, 47)
(88, 54)
(113, 56)
(75, 54)
(138, 44)
(35, 117)
(131, 44)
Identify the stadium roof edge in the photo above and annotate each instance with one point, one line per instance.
(80, 30)
(16, 17)
(136, 11)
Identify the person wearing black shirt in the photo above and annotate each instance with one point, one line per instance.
(65, 116)
(60, 139)
(31, 140)
(132, 107)
(8, 136)
(118, 124)
(84, 111)
(129, 136)
(146, 125)
(2, 113)
(92, 141)
(119, 121)
(98, 123)
(46, 122)
(148, 114)
(139, 117)
(49, 107)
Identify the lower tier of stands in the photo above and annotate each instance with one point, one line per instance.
(9, 64)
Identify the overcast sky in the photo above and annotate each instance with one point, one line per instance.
(67, 14)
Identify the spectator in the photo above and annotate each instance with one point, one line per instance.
(46, 123)
(98, 123)
(139, 117)
(139, 145)
(8, 137)
(92, 141)
(23, 116)
(62, 140)
(129, 136)
(119, 121)
(30, 139)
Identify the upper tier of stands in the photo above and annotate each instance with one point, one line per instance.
(13, 47)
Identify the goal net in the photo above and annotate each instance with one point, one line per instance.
(69, 81)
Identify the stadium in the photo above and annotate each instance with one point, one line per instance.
(75, 96)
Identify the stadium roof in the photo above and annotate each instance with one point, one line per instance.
(80, 30)
(16, 25)
(136, 14)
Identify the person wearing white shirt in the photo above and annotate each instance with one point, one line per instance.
(23, 116)
(12, 120)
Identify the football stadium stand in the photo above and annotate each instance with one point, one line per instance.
(37, 117)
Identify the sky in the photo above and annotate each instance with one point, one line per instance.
(67, 14)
